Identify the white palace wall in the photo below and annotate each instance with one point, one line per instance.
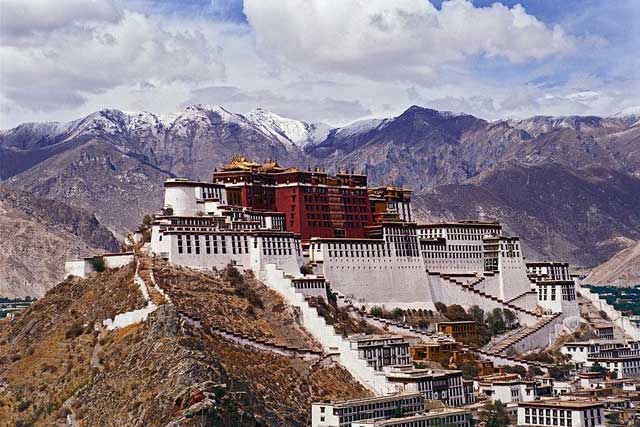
(250, 251)
(449, 293)
(513, 278)
(616, 317)
(325, 334)
(401, 281)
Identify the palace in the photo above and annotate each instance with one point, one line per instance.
(361, 240)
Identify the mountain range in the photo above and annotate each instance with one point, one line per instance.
(569, 186)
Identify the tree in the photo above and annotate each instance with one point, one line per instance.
(441, 307)
(469, 369)
(509, 318)
(494, 414)
(97, 262)
(495, 321)
(456, 312)
(147, 221)
(516, 369)
(376, 311)
(397, 313)
(476, 314)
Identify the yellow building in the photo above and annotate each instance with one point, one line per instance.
(444, 352)
(465, 331)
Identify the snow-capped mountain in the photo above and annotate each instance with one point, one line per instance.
(144, 124)
(288, 131)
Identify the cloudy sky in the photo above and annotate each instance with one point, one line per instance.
(321, 60)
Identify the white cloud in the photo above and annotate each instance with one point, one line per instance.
(402, 39)
(20, 17)
(87, 58)
(329, 60)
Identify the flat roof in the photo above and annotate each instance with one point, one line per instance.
(375, 399)
(557, 403)
(417, 417)
(374, 337)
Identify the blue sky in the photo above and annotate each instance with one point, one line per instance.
(319, 60)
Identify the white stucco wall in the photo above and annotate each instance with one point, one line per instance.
(325, 334)
(616, 317)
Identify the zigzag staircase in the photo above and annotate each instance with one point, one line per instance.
(404, 328)
(469, 287)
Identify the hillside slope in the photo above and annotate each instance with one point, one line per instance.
(622, 269)
(37, 235)
(58, 363)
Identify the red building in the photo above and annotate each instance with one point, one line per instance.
(315, 204)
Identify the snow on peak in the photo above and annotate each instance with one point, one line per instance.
(629, 112)
(361, 126)
(288, 131)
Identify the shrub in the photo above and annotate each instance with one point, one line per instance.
(74, 331)
(22, 406)
(376, 311)
(442, 308)
(97, 262)
(397, 313)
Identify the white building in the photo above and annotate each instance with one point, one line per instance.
(623, 363)
(199, 231)
(446, 417)
(189, 198)
(85, 266)
(454, 247)
(387, 268)
(444, 385)
(562, 413)
(381, 350)
(556, 290)
(344, 413)
(510, 388)
(580, 350)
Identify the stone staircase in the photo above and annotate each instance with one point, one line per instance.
(403, 328)
(332, 342)
(512, 339)
(469, 287)
(145, 270)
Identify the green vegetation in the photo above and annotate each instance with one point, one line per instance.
(495, 322)
(626, 300)
(494, 414)
(97, 262)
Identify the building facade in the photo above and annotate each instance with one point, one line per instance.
(443, 385)
(381, 350)
(562, 413)
(446, 417)
(345, 413)
(315, 203)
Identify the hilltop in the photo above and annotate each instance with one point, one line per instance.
(185, 364)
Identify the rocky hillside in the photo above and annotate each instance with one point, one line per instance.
(37, 235)
(622, 269)
(57, 362)
(113, 163)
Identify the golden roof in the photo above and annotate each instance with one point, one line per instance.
(240, 162)
(271, 166)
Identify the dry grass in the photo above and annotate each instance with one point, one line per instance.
(243, 304)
